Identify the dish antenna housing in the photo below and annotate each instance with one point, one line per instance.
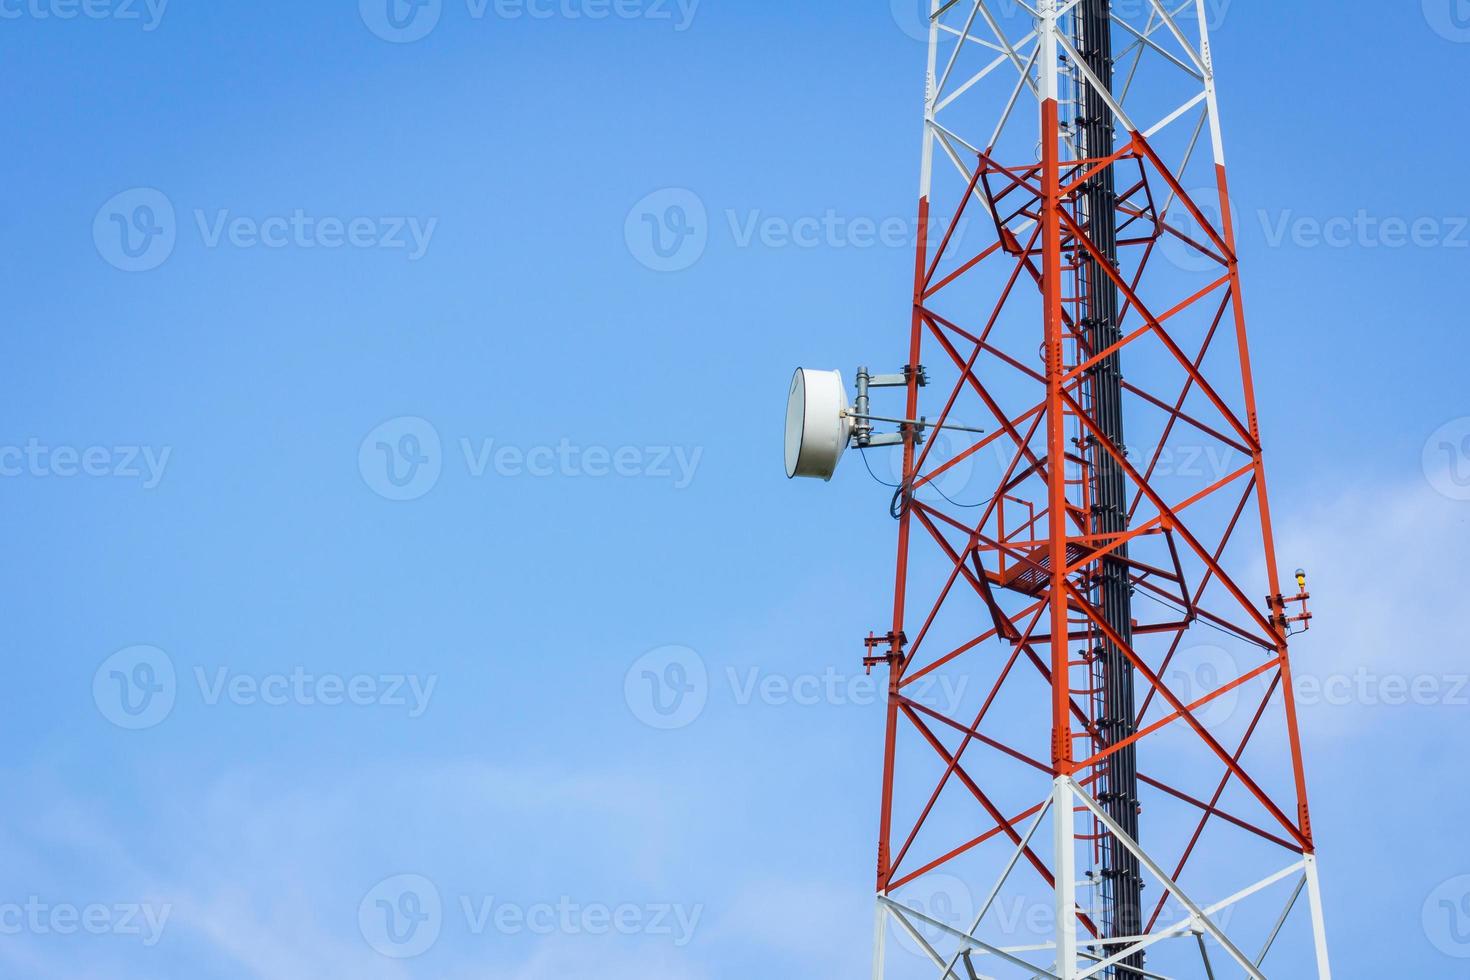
(821, 422)
(818, 426)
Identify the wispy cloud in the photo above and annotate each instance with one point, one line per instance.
(263, 869)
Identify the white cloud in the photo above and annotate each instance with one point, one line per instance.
(1388, 580)
(264, 869)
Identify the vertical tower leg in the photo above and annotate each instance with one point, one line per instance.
(1064, 823)
(885, 855)
(880, 942)
(1227, 222)
(1319, 921)
(1063, 817)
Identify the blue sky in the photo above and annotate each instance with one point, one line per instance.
(349, 247)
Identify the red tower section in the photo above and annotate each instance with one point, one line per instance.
(1001, 561)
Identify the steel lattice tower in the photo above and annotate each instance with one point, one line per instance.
(1121, 611)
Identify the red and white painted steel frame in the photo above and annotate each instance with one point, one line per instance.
(1005, 60)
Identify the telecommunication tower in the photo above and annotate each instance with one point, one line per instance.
(1083, 527)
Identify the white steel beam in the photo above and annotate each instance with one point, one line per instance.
(880, 942)
(1006, 874)
(1285, 913)
(1207, 62)
(1169, 883)
(1319, 921)
(902, 912)
(1064, 823)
